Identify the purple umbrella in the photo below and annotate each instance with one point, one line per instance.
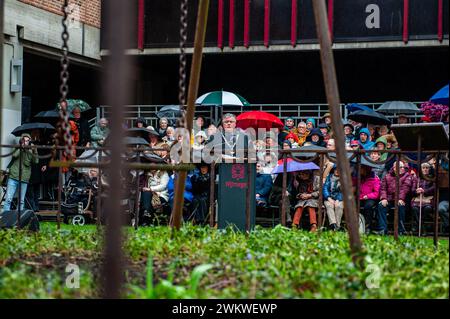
(294, 166)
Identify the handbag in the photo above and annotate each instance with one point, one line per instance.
(425, 200)
(156, 203)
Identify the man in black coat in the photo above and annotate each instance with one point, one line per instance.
(232, 142)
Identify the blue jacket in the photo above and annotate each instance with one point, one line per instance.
(263, 185)
(336, 194)
(188, 196)
(368, 144)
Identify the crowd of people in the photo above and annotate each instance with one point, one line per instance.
(377, 188)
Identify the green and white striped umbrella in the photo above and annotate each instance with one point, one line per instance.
(221, 98)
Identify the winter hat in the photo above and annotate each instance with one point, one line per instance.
(366, 131)
(291, 135)
(312, 121)
(349, 125)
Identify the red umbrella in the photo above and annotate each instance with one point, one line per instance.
(258, 119)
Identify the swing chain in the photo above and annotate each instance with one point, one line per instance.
(64, 87)
(183, 63)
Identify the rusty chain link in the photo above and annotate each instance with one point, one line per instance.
(64, 87)
(183, 63)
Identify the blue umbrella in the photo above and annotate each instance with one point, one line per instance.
(441, 96)
(357, 107)
(294, 166)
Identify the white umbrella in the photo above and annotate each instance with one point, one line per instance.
(217, 98)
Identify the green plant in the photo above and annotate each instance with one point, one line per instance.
(166, 287)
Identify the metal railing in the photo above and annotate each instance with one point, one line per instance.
(283, 111)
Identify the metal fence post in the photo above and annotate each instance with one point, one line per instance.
(284, 191)
(212, 210)
(397, 194)
(320, 211)
(436, 199)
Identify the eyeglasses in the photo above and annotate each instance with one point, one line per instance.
(229, 122)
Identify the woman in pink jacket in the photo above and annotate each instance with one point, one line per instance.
(369, 194)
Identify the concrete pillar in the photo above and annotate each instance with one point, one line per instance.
(11, 102)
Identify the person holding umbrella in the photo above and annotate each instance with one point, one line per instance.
(305, 189)
(29, 156)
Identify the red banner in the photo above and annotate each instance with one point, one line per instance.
(405, 21)
(231, 26)
(294, 23)
(266, 22)
(220, 25)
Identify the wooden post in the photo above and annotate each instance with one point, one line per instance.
(332, 92)
(199, 42)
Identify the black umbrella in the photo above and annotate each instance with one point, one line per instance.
(369, 117)
(129, 141)
(169, 111)
(398, 107)
(363, 160)
(312, 148)
(28, 127)
(141, 132)
(145, 158)
(50, 115)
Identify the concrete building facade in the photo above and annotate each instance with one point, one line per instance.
(31, 52)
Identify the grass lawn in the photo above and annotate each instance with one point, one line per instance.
(209, 263)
